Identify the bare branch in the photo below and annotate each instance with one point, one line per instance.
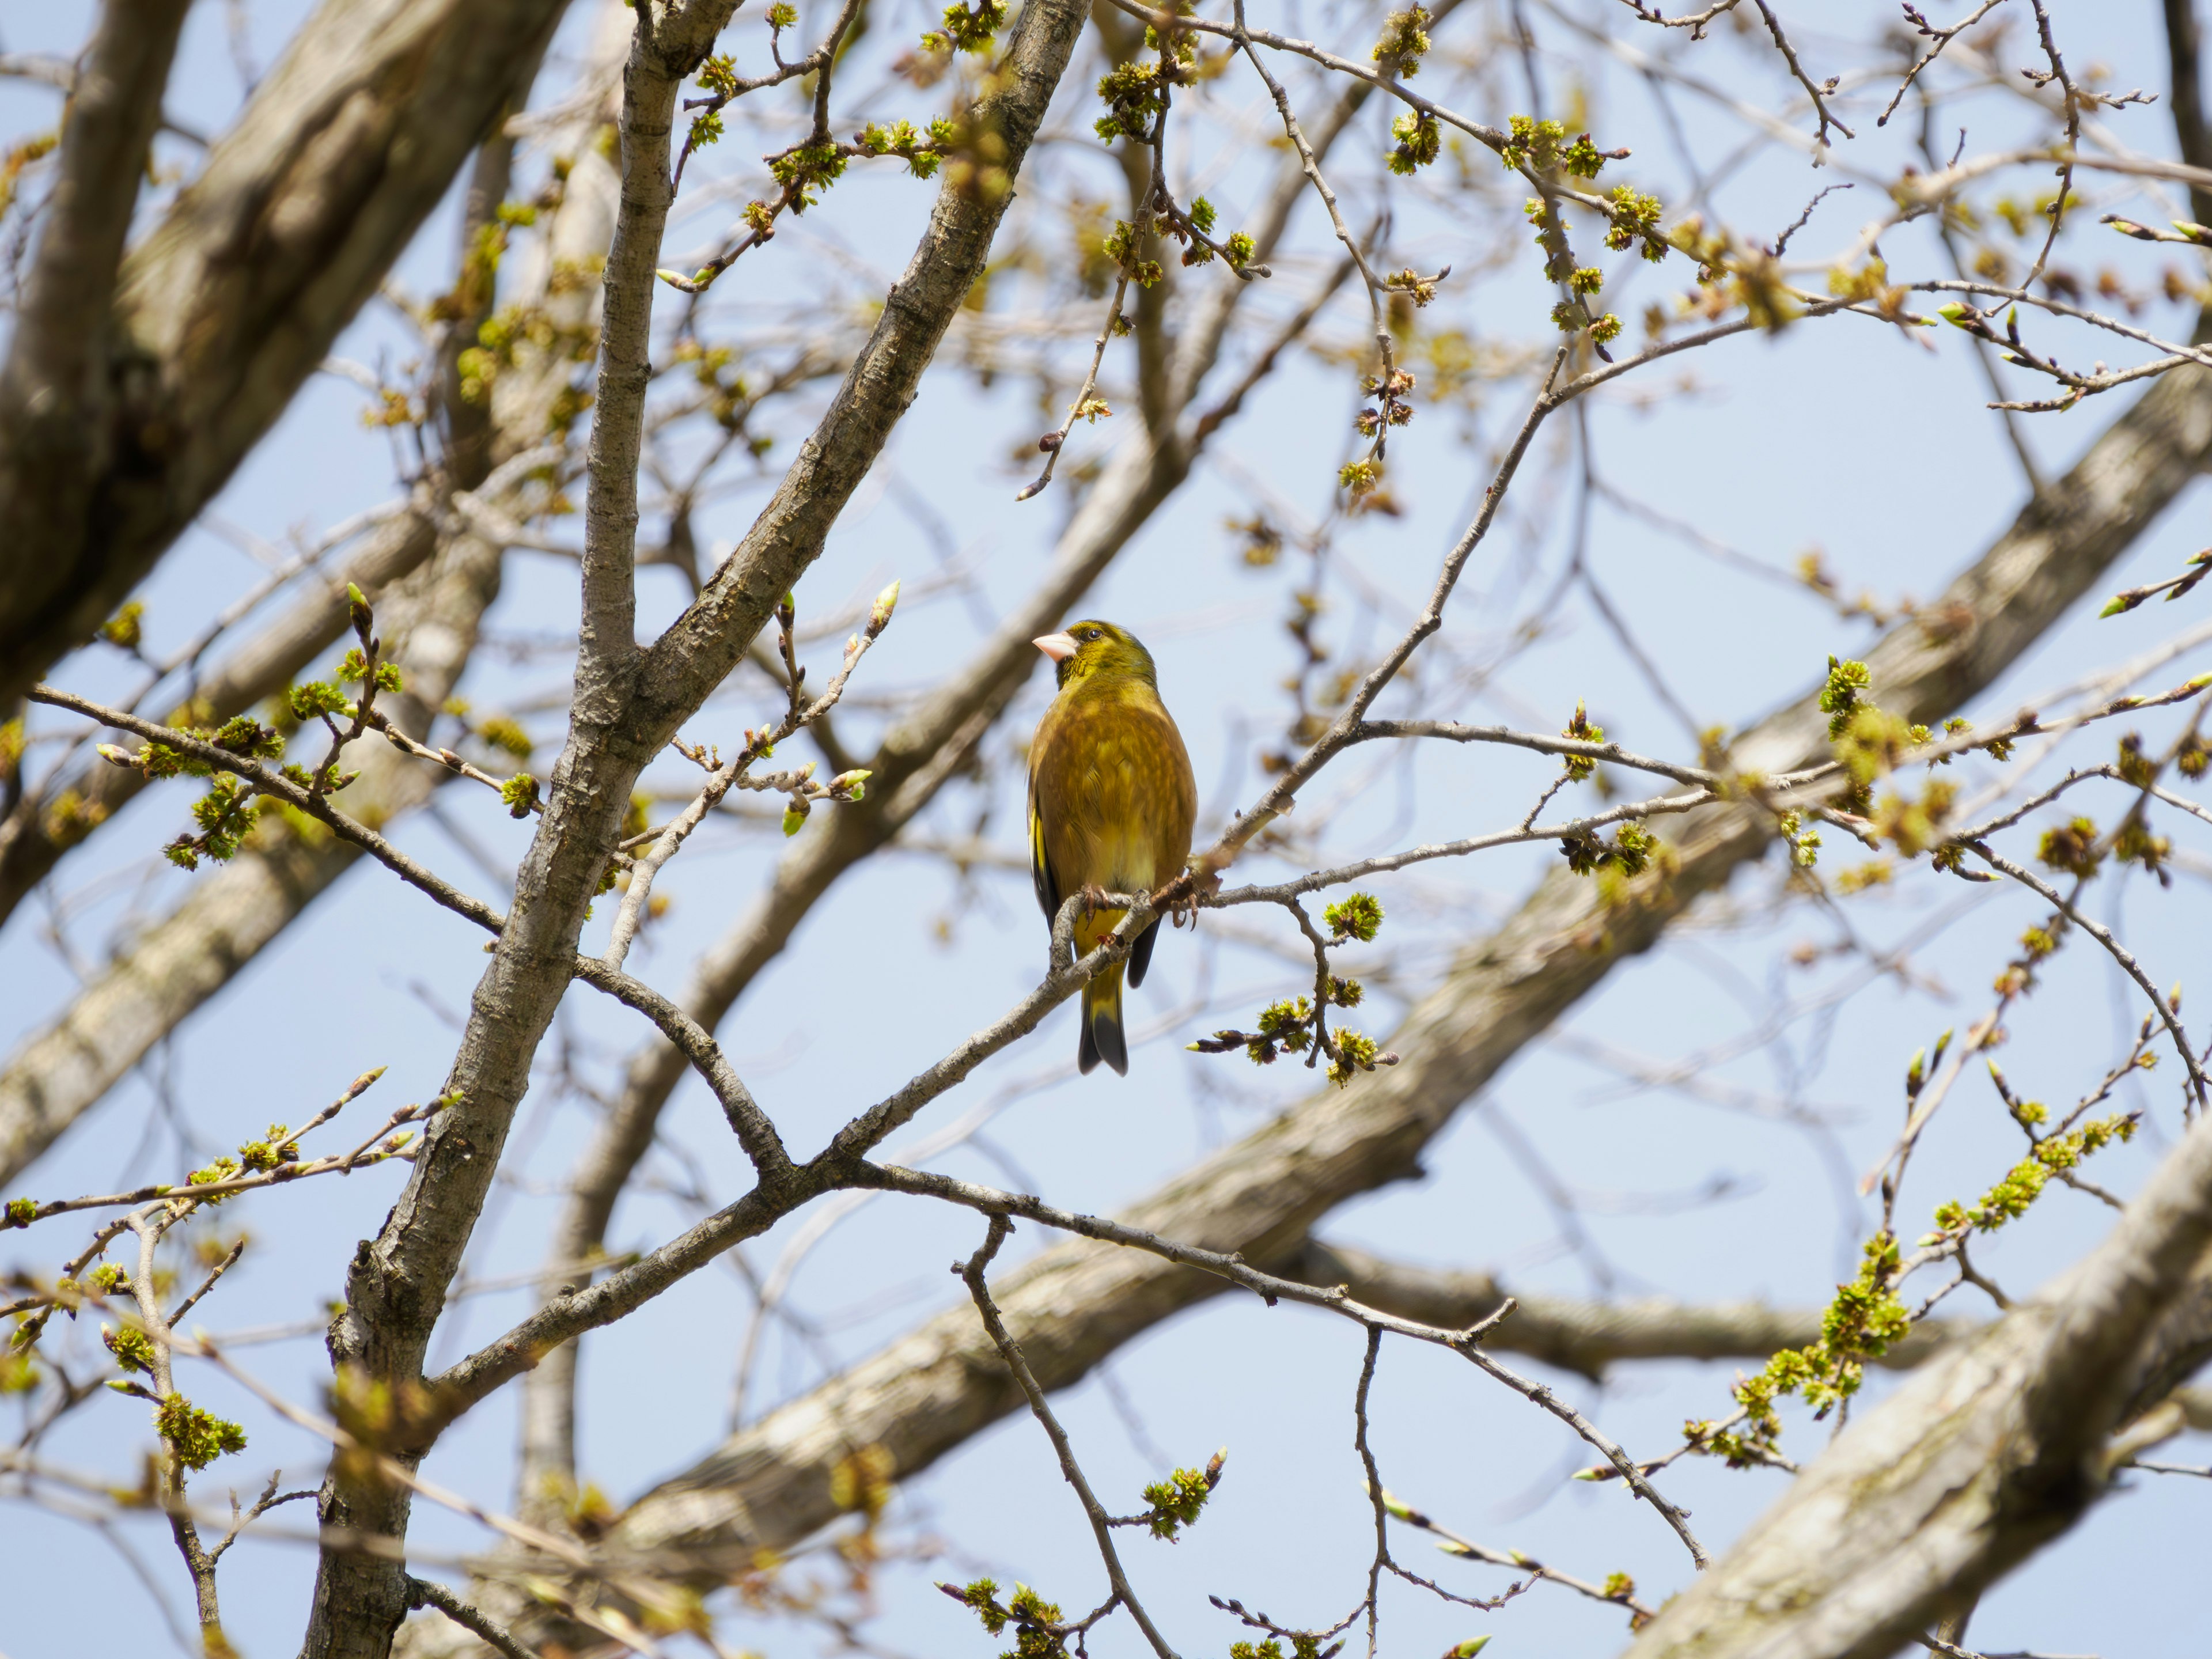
(1071, 1472)
(202, 350)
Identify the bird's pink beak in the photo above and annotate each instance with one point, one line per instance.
(1058, 647)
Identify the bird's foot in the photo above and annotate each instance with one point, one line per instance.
(1179, 898)
(1094, 898)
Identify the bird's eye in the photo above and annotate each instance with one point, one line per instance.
(1088, 634)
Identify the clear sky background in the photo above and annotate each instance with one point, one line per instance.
(1866, 441)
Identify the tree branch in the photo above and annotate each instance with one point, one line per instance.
(1070, 1470)
(55, 391)
(625, 710)
(920, 1398)
(1976, 1463)
(344, 150)
(912, 762)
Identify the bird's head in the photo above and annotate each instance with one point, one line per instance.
(1086, 649)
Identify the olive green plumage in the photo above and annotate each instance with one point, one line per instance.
(1112, 801)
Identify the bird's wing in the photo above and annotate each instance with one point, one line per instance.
(1048, 886)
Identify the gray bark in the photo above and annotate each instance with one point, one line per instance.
(1979, 1461)
(431, 621)
(229, 303)
(54, 392)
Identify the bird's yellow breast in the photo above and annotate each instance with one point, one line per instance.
(1111, 794)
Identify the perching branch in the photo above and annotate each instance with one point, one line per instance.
(918, 1397)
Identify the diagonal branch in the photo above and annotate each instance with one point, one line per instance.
(1975, 1464)
(343, 151)
(55, 394)
(914, 760)
(1070, 1470)
(919, 1397)
(627, 705)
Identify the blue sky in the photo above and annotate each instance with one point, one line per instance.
(1866, 441)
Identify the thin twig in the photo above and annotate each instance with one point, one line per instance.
(1010, 1350)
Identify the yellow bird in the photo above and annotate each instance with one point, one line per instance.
(1111, 806)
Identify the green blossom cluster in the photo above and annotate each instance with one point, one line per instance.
(1579, 767)
(1860, 1324)
(1420, 141)
(2071, 848)
(1122, 248)
(1635, 219)
(967, 28)
(1539, 146)
(1356, 915)
(274, 1148)
(922, 150)
(225, 815)
(506, 733)
(353, 668)
(1305, 1644)
(1355, 1053)
(719, 75)
(1629, 852)
(1176, 1502)
(1136, 96)
(520, 793)
(2010, 1198)
(225, 1168)
(1839, 695)
(1405, 41)
(196, 1438)
(125, 629)
(806, 170)
(132, 1348)
(1804, 844)
(1040, 1627)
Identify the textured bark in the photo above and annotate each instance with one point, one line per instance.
(229, 303)
(926, 1393)
(54, 392)
(626, 704)
(431, 621)
(1979, 1461)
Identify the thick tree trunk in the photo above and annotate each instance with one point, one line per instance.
(229, 303)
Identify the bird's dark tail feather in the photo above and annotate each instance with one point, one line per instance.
(1101, 1036)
